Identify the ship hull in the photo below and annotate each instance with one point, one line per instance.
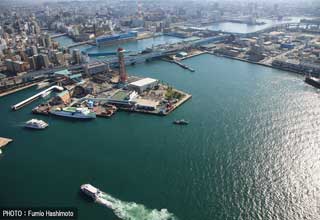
(35, 128)
(112, 42)
(312, 82)
(73, 116)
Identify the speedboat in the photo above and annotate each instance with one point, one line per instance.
(180, 122)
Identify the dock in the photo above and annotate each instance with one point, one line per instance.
(179, 64)
(180, 102)
(58, 35)
(89, 42)
(34, 97)
(174, 106)
(183, 66)
(17, 89)
(4, 141)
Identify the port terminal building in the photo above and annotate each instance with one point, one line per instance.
(143, 84)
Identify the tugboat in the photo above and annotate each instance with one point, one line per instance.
(180, 122)
(36, 124)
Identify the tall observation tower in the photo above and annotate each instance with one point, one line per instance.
(122, 66)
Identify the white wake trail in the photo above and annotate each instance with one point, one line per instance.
(132, 210)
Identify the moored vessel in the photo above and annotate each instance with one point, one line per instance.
(313, 81)
(73, 112)
(116, 38)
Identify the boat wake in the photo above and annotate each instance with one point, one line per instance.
(131, 210)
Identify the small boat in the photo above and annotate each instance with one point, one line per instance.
(180, 122)
(36, 124)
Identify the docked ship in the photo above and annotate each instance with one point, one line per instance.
(313, 81)
(36, 124)
(73, 112)
(116, 38)
(90, 191)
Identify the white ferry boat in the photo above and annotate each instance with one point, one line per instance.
(36, 124)
(73, 112)
(90, 191)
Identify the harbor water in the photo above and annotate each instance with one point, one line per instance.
(245, 28)
(251, 150)
(135, 46)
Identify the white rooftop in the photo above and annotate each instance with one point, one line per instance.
(144, 81)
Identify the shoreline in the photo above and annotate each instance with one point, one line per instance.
(17, 89)
(257, 63)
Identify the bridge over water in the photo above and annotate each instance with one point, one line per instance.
(157, 52)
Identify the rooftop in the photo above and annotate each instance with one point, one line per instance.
(63, 72)
(120, 95)
(144, 81)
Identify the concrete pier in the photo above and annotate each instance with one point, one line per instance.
(4, 141)
(184, 66)
(34, 97)
(18, 89)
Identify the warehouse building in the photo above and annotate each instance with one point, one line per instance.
(143, 84)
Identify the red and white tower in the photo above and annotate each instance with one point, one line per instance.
(139, 9)
(122, 66)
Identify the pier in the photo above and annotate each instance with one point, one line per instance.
(90, 42)
(34, 97)
(183, 66)
(179, 64)
(18, 89)
(58, 35)
(4, 141)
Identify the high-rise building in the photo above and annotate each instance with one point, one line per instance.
(48, 40)
(122, 66)
(33, 62)
(15, 66)
(58, 58)
(34, 50)
(44, 60)
(45, 40)
(76, 56)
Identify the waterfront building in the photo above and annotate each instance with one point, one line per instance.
(145, 104)
(123, 98)
(15, 66)
(95, 68)
(62, 98)
(143, 84)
